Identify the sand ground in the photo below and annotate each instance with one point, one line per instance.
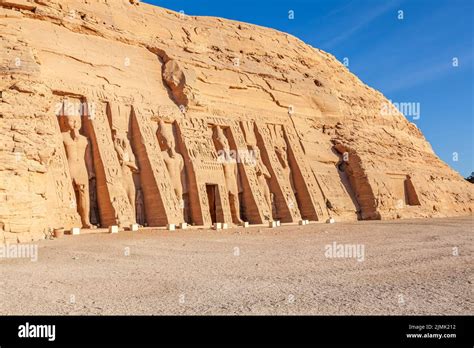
(422, 266)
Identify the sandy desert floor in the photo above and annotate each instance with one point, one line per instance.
(410, 267)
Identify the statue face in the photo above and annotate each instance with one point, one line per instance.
(74, 123)
(121, 138)
(171, 143)
(166, 136)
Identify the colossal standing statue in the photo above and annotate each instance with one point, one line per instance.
(79, 156)
(127, 163)
(282, 155)
(231, 173)
(262, 175)
(261, 170)
(174, 162)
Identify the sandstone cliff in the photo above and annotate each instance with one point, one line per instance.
(194, 119)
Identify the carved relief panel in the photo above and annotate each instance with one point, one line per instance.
(114, 205)
(161, 204)
(204, 170)
(309, 195)
(272, 145)
(254, 169)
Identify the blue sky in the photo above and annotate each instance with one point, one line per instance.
(408, 60)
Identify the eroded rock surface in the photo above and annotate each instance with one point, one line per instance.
(307, 136)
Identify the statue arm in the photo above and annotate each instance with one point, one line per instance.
(133, 166)
(121, 155)
(237, 177)
(119, 151)
(266, 173)
(131, 163)
(89, 160)
(183, 176)
(264, 170)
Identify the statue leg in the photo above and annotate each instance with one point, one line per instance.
(187, 217)
(129, 187)
(84, 205)
(179, 194)
(266, 192)
(235, 208)
(267, 197)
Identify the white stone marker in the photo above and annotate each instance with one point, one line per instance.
(330, 221)
(171, 227)
(272, 224)
(278, 223)
(134, 227)
(75, 231)
(183, 225)
(245, 224)
(113, 229)
(217, 226)
(225, 226)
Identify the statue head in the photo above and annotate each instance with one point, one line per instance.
(167, 138)
(120, 137)
(73, 123)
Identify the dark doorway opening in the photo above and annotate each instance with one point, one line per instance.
(211, 191)
(411, 198)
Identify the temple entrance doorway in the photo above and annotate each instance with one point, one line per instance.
(212, 198)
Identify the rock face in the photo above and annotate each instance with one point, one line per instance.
(115, 112)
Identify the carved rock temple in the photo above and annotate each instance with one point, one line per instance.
(119, 112)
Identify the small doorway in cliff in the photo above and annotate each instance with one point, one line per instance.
(411, 198)
(211, 191)
(403, 190)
